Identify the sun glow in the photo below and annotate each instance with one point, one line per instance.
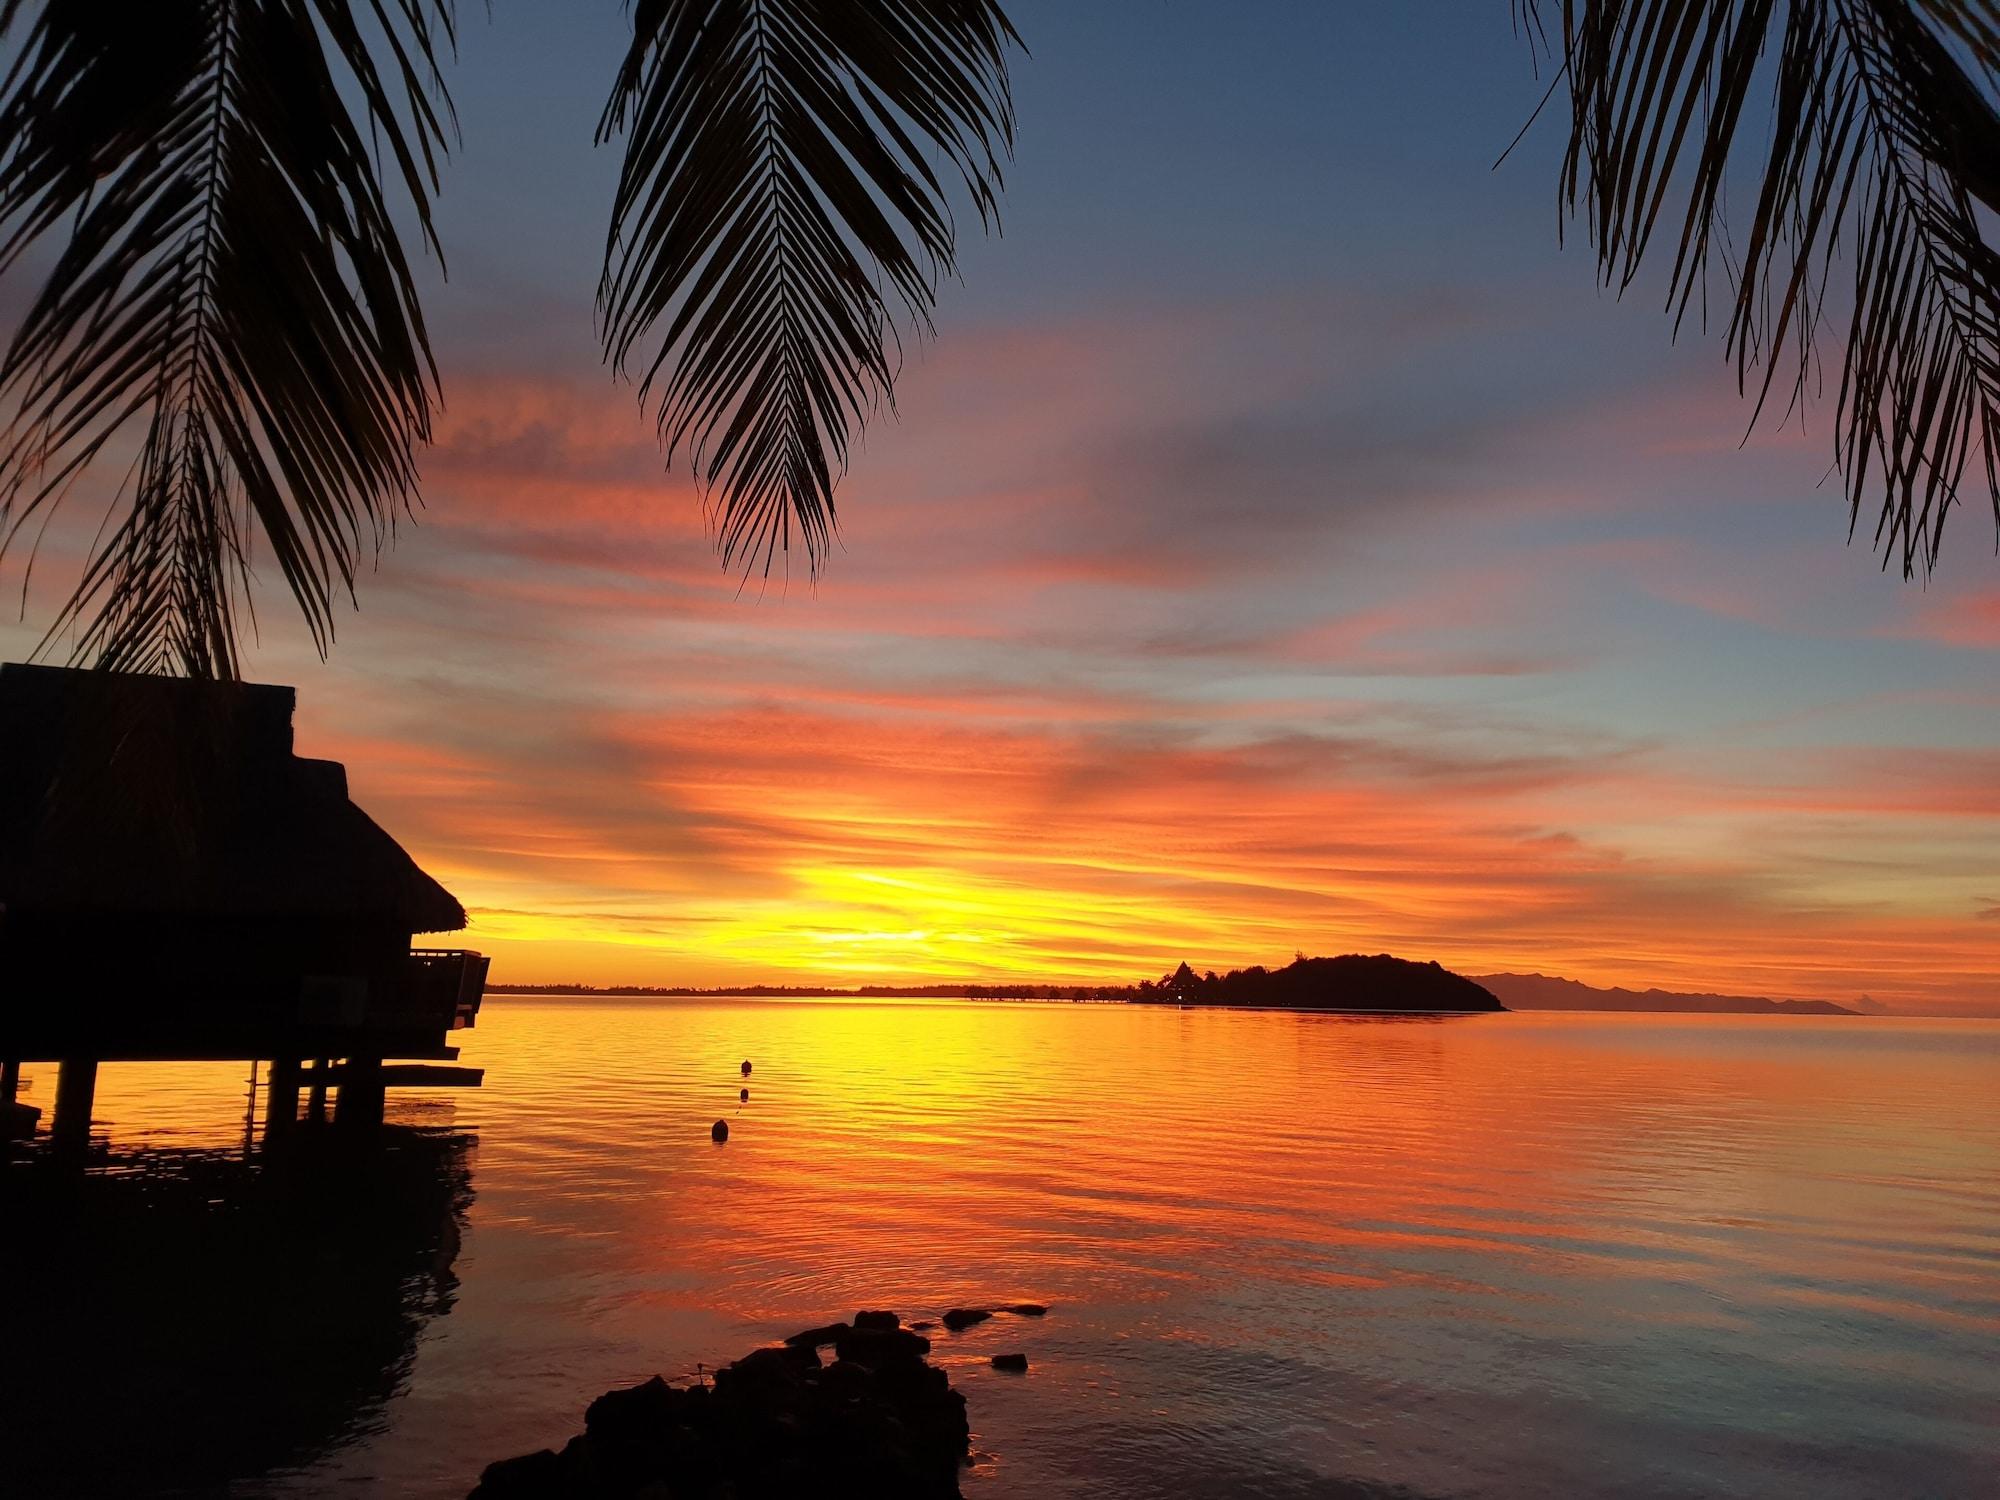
(1088, 724)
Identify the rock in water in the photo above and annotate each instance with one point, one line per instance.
(877, 1320)
(965, 1317)
(743, 1096)
(630, 1411)
(719, 1131)
(879, 1421)
(1015, 1362)
(746, 1067)
(877, 1347)
(813, 1338)
(530, 1475)
(1025, 1309)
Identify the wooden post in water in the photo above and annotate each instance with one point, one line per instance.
(359, 1102)
(10, 1088)
(281, 1096)
(76, 1091)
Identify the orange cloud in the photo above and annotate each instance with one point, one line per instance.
(1211, 636)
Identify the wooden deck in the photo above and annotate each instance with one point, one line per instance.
(354, 1040)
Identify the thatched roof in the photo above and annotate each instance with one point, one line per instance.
(123, 794)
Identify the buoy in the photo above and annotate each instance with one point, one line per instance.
(743, 1095)
(720, 1133)
(746, 1067)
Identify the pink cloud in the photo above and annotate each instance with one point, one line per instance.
(1968, 620)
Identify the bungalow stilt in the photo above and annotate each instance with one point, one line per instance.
(359, 1103)
(281, 1096)
(76, 1094)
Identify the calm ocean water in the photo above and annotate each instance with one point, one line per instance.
(1286, 1255)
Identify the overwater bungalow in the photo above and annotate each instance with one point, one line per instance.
(175, 882)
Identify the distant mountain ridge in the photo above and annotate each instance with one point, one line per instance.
(1546, 992)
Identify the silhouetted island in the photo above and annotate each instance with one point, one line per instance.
(1353, 981)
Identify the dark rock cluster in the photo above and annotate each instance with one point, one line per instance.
(878, 1420)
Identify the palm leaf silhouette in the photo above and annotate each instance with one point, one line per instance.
(778, 204)
(233, 315)
(232, 320)
(1884, 149)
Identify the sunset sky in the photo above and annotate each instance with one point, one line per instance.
(1285, 545)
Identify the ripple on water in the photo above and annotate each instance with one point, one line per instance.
(1288, 1255)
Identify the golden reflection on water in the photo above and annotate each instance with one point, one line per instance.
(1491, 1255)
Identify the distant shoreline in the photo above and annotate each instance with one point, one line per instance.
(1083, 993)
(1773, 1010)
(1354, 983)
(640, 992)
(1616, 1003)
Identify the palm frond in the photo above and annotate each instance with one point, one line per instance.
(780, 202)
(232, 312)
(1884, 153)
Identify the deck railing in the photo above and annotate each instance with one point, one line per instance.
(447, 983)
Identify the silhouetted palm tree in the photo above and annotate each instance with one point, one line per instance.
(1872, 137)
(234, 303)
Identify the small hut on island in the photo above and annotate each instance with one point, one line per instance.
(176, 883)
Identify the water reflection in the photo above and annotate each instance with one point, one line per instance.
(179, 1319)
(1289, 1256)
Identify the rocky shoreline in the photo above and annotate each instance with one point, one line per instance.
(878, 1419)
